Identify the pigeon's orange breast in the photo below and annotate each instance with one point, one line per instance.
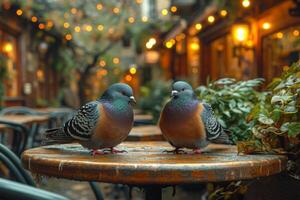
(186, 132)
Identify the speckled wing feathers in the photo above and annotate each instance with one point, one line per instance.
(82, 124)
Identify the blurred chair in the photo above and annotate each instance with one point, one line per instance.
(18, 110)
(12, 190)
(19, 174)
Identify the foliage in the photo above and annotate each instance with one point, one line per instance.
(153, 97)
(232, 101)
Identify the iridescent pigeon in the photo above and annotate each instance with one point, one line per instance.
(187, 123)
(99, 124)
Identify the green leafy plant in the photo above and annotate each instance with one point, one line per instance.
(153, 97)
(232, 101)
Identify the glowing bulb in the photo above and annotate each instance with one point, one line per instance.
(169, 44)
(198, 26)
(131, 20)
(149, 45)
(68, 37)
(73, 11)
(8, 47)
(144, 19)
(128, 77)
(116, 10)
(211, 19)
(173, 9)
(279, 35)
(88, 28)
(266, 25)
(116, 60)
(41, 26)
(195, 46)
(19, 12)
(246, 3)
(296, 33)
(77, 29)
(223, 13)
(100, 27)
(152, 41)
(34, 19)
(139, 1)
(50, 24)
(102, 63)
(66, 25)
(132, 70)
(99, 6)
(164, 12)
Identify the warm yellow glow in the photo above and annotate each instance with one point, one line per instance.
(211, 19)
(296, 33)
(131, 20)
(103, 72)
(8, 47)
(223, 13)
(152, 41)
(41, 26)
(139, 1)
(68, 37)
(99, 6)
(240, 32)
(34, 19)
(128, 77)
(73, 11)
(100, 27)
(116, 10)
(194, 46)
(249, 43)
(179, 37)
(116, 60)
(173, 9)
(77, 29)
(144, 19)
(102, 63)
(50, 24)
(246, 3)
(111, 30)
(88, 28)
(132, 70)
(266, 25)
(164, 12)
(279, 35)
(198, 26)
(40, 74)
(169, 44)
(66, 25)
(149, 45)
(19, 12)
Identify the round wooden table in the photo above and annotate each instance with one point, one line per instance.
(145, 164)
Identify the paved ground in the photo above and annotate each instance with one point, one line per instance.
(81, 190)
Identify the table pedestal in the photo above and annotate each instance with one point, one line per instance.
(153, 193)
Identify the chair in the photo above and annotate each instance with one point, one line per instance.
(18, 110)
(18, 173)
(12, 190)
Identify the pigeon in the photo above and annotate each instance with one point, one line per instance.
(186, 122)
(100, 124)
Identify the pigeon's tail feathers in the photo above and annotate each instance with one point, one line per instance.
(223, 138)
(57, 136)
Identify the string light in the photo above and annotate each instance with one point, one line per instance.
(296, 33)
(77, 29)
(116, 60)
(116, 10)
(198, 26)
(99, 6)
(150, 43)
(139, 1)
(132, 70)
(68, 37)
(169, 44)
(164, 12)
(100, 27)
(73, 11)
(144, 19)
(102, 63)
(41, 26)
(173, 9)
(266, 25)
(131, 20)
(88, 28)
(8, 47)
(50, 24)
(19, 12)
(34, 19)
(66, 25)
(246, 3)
(223, 13)
(211, 19)
(279, 35)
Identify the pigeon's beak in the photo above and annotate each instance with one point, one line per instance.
(174, 93)
(132, 100)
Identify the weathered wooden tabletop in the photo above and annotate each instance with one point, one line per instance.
(49, 110)
(25, 119)
(145, 133)
(146, 163)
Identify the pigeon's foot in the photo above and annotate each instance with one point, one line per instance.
(197, 151)
(95, 152)
(113, 150)
(175, 151)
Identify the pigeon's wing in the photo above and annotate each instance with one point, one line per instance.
(81, 126)
(212, 126)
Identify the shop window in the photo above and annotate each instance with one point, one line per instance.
(8, 51)
(280, 50)
(230, 61)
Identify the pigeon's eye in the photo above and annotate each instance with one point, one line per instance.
(123, 93)
(182, 89)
